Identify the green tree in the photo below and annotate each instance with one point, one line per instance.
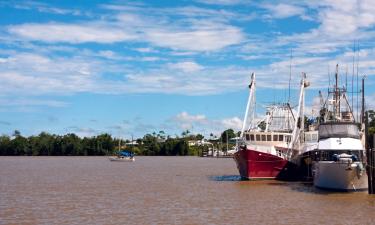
(371, 122)
(199, 137)
(19, 146)
(227, 135)
(5, 145)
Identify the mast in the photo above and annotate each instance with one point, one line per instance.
(290, 74)
(363, 102)
(299, 122)
(357, 78)
(337, 96)
(250, 102)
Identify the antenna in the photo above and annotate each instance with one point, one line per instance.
(346, 78)
(353, 75)
(337, 107)
(363, 101)
(290, 72)
(357, 78)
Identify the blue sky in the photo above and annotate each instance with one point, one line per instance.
(136, 67)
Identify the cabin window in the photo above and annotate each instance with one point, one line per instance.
(281, 137)
(252, 137)
(287, 138)
(307, 137)
(263, 137)
(258, 137)
(268, 137)
(275, 137)
(247, 137)
(324, 155)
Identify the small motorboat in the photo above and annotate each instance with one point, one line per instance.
(123, 156)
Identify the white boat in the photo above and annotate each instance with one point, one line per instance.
(123, 156)
(122, 159)
(338, 162)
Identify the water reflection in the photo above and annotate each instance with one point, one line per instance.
(226, 178)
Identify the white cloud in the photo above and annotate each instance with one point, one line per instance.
(150, 58)
(199, 123)
(186, 117)
(70, 33)
(34, 74)
(196, 31)
(31, 102)
(282, 10)
(200, 39)
(234, 123)
(146, 50)
(45, 8)
(187, 121)
(221, 2)
(187, 67)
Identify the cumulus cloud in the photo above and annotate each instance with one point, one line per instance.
(187, 121)
(232, 123)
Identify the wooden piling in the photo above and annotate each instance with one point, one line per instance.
(371, 172)
(370, 153)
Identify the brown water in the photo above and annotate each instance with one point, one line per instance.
(163, 190)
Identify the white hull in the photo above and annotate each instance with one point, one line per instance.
(122, 159)
(340, 175)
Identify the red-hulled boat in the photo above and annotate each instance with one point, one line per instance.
(255, 165)
(265, 148)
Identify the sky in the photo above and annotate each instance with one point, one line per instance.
(128, 68)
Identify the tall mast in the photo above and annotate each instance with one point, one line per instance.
(337, 107)
(290, 74)
(353, 78)
(299, 122)
(357, 78)
(250, 103)
(363, 101)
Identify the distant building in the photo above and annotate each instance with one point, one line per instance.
(198, 142)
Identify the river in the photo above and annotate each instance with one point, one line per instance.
(163, 190)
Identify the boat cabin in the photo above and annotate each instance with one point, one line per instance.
(265, 137)
(338, 130)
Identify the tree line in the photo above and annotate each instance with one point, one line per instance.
(45, 144)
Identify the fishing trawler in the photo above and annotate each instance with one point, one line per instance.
(266, 147)
(338, 162)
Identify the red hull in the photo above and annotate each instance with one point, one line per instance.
(258, 165)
